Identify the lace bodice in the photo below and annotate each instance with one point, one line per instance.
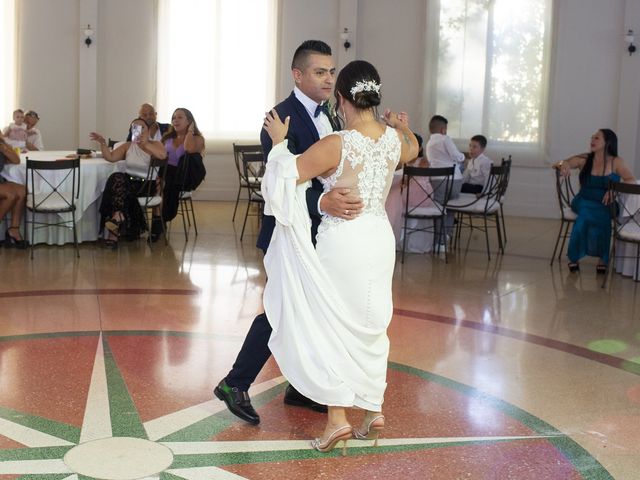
(366, 167)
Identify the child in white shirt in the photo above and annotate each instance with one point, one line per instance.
(16, 133)
(478, 169)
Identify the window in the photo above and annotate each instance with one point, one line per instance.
(8, 59)
(218, 59)
(492, 61)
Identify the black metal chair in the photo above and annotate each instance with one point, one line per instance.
(150, 197)
(565, 192)
(239, 151)
(428, 208)
(625, 214)
(486, 205)
(53, 187)
(253, 166)
(506, 163)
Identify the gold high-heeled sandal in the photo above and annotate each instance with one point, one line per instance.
(375, 426)
(343, 433)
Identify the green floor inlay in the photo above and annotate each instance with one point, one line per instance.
(36, 453)
(125, 420)
(44, 425)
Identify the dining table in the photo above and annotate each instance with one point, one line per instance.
(94, 172)
(420, 239)
(626, 252)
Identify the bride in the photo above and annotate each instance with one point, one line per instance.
(330, 307)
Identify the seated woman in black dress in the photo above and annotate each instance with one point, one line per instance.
(12, 197)
(121, 214)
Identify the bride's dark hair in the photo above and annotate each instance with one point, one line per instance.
(352, 73)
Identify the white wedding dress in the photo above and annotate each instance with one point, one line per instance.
(330, 307)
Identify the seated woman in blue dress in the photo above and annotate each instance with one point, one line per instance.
(591, 233)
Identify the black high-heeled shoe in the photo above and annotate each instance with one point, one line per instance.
(574, 267)
(12, 242)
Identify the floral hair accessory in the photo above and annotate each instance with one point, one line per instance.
(365, 86)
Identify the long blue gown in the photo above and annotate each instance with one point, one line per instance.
(591, 233)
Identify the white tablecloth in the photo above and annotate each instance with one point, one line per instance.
(626, 252)
(417, 241)
(94, 173)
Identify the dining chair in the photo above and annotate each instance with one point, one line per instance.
(625, 214)
(150, 197)
(441, 179)
(564, 192)
(485, 205)
(185, 204)
(253, 166)
(53, 186)
(505, 163)
(239, 151)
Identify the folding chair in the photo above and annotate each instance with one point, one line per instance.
(252, 168)
(565, 193)
(486, 205)
(625, 214)
(239, 151)
(150, 197)
(505, 163)
(428, 208)
(53, 187)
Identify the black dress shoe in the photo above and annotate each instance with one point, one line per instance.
(238, 402)
(295, 398)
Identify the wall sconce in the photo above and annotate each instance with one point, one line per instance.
(344, 36)
(87, 36)
(629, 38)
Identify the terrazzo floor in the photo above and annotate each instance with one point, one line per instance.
(501, 369)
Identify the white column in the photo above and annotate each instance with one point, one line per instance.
(347, 18)
(629, 100)
(88, 72)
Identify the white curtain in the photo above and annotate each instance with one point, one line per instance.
(7, 61)
(488, 70)
(218, 59)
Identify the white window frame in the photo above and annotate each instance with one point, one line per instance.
(8, 94)
(524, 153)
(224, 54)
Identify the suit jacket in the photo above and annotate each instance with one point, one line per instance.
(301, 135)
(162, 126)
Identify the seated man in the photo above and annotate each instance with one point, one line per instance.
(476, 175)
(148, 115)
(34, 137)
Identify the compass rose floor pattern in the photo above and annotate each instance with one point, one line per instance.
(498, 370)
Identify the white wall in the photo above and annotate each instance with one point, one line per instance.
(594, 82)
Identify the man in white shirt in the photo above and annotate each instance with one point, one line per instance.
(34, 137)
(442, 152)
(476, 175)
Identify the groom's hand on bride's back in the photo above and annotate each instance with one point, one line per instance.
(341, 203)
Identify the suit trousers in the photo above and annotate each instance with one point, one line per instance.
(252, 356)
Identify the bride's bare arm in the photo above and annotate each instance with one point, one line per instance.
(317, 160)
(320, 158)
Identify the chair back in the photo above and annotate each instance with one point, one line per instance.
(151, 194)
(249, 154)
(496, 187)
(253, 168)
(53, 186)
(625, 210)
(441, 180)
(565, 192)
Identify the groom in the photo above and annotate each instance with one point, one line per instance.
(313, 72)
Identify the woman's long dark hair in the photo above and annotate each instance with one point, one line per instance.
(171, 133)
(610, 150)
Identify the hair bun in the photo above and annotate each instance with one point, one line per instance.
(366, 99)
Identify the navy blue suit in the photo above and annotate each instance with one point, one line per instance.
(301, 135)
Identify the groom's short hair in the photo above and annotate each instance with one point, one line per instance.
(307, 48)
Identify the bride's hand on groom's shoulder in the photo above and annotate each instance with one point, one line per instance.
(276, 129)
